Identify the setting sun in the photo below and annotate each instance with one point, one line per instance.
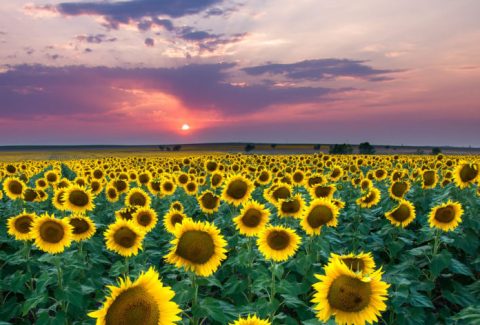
(185, 127)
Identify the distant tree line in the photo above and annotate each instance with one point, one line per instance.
(176, 147)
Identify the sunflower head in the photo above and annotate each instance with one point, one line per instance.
(320, 212)
(177, 205)
(291, 207)
(252, 218)
(51, 235)
(208, 202)
(82, 227)
(323, 191)
(112, 194)
(198, 247)
(145, 218)
(429, 179)
(466, 174)
(167, 187)
(237, 189)
(402, 215)
(78, 199)
(146, 301)
(278, 192)
(14, 188)
(362, 262)
(216, 179)
(446, 216)
(352, 297)
(124, 237)
(173, 218)
(398, 189)
(370, 198)
(278, 243)
(20, 226)
(251, 320)
(137, 197)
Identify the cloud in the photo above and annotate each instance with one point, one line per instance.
(322, 69)
(124, 12)
(149, 42)
(95, 38)
(206, 41)
(83, 91)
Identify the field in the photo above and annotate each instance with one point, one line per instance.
(213, 238)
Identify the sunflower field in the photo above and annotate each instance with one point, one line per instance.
(241, 239)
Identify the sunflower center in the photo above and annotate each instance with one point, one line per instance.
(209, 200)
(51, 232)
(52, 177)
(23, 224)
(134, 306)
(143, 178)
(281, 193)
(315, 180)
(15, 187)
(445, 214)
(292, 206)
(429, 178)
(196, 246)
(369, 198)
(263, 176)
(191, 187)
(155, 186)
(399, 188)
(125, 237)
(298, 177)
(468, 173)
(97, 174)
(322, 191)
(11, 169)
(211, 166)
(78, 198)
(319, 216)
(121, 185)
(401, 213)
(252, 218)
(335, 173)
(237, 189)
(278, 240)
(144, 219)
(354, 264)
(349, 294)
(216, 179)
(29, 195)
(176, 218)
(183, 179)
(137, 199)
(112, 193)
(80, 226)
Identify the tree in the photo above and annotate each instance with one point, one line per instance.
(249, 147)
(317, 146)
(341, 149)
(366, 148)
(273, 145)
(436, 151)
(177, 147)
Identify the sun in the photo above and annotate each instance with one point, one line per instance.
(185, 127)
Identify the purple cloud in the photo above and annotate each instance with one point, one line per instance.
(322, 69)
(150, 42)
(95, 38)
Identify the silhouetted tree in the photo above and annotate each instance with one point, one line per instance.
(366, 148)
(176, 147)
(341, 149)
(273, 145)
(249, 147)
(436, 151)
(316, 147)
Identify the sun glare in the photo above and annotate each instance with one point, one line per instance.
(185, 127)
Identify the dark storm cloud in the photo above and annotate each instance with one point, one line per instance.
(322, 69)
(31, 91)
(95, 38)
(123, 12)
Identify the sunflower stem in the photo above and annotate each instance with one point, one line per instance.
(126, 271)
(60, 281)
(436, 242)
(251, 258)
(194, 320)
(272, 292)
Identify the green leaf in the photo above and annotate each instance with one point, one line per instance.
(458, 267)
(32, 302)
(419, 300)
(215, 309)
(440, 262)
(292, 301)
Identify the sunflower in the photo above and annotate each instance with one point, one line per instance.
(198, 247)
(14, 188)
(20, 226)
(466, 174)
(278, 243)
(398, 189)
(277, 192)
(124, 237)
(362, 262)
(145, 218)
(191, 188)
(320, 212)
(370, 198)
(429, 179)
(51, 235)
(146, 301)
(237, 189)
(57, 199)
(126, 213)
(29, 195)
(380, 174)
(353, 298)
(112, 194)
(83, 227)
(216, 180)
(120, 185)
(137, 197)
(52, 176)
(402, 215)
(208, 202)
(251, 320)
(291, 207)
(96, 187)
(78, 199)
(167, 187)
(41, 183)
(172, 218)
(264, 177)
(154, 186)
(177, 205)
(336, 173)
(298, 177)
(446, 216)
(252, 218)
(322, 191)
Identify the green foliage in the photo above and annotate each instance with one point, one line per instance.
(341, 149)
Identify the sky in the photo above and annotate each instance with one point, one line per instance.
(274, 71)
